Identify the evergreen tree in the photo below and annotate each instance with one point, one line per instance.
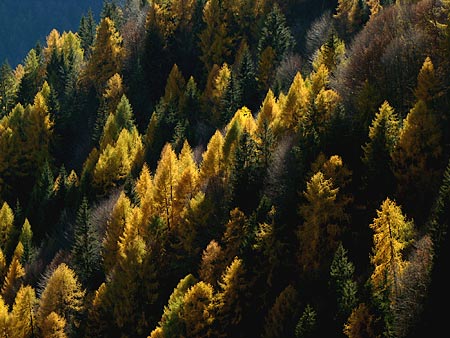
(383, 136)
(307, 324)
(341, 281)
(86, 249)
(281, 318)
(276, 34)
(86, 32)
(31, 80)
(8, 89)
(26, 238)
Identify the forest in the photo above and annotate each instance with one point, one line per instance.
(229, 168)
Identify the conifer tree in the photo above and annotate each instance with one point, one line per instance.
(165, 183)
(86, 250)
(212, 263)
(212, 163)
(63, 296)
(215, 42)
(86, 32)
(307, 324)
(230, 301)
(361, 323)
(121, 214)
(23, 321)
(53, 326)
(419, 151)
(281, 319)
(8, 89)
(171, 323)
(196, 311)
(2, 265)
(14, 276)
(276, 34)
(383, 136)
(5, 319)
(107, 54)
(295, 107)
(31, 80)
(342, 282)
(6, 224)
(26, 238)
(319, 234)
(392, 234)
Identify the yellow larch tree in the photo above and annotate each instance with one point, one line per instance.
(165, 182)
(392, 233)
(62, 295)
(212, 162)
(23, 321)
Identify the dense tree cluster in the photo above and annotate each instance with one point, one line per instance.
(221, 168)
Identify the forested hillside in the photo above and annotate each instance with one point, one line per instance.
(229, 168)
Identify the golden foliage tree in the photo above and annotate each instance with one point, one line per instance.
(23, 321)
(392, 234)
(165, 183)
(63, 296)
(107, 55)
(6, 224)
(53, 326)
(115, 227)
(322, 227)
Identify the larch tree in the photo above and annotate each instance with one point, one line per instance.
(215, 42)
(23, 317)
(3, 265)
(14, 276)
(6, 224)
(212, 263)
(5, 319)
(53, 326)
(229, 302)
(418, 153)
(115, 227)
(212, 159)
(392, 233)
(171, 323)
(107, 55)
(187, 185)
(165, 183)
(197, 310)
(295, 105)
(62, 295)
(282, 317)
(322, 223)
(361, 323)
(132, 288)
